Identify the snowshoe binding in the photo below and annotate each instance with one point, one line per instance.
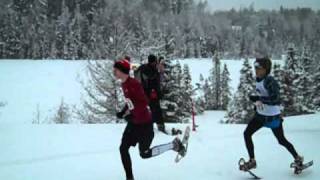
(299, 166)
(248, 166)
(182, 146)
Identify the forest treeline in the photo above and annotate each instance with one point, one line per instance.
(107, 29)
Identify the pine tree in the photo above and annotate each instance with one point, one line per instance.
(225, 88)
(278, 73)
(297, 83)
(303, 85)
(12, 38)
(171, 92)
(207, 94)
(104, 94)
(216, 84)
(63, 114)
(200, 103)
(316, 96)
(73, 37)
(186, 92)
(241, 109)
(61, 32)
(201, 79)
(289, 77)
(41, 31)
(214, 101)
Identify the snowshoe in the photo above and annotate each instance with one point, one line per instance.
(248, 166)
(182, 146)
(175, 131)
(299, 166)
(178, 146)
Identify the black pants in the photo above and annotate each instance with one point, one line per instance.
(156, 112)
(135, 134)
(255, 124)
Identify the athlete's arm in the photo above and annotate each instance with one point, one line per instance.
(273, 89)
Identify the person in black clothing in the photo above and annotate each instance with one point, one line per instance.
(150, 79)
(268, 113)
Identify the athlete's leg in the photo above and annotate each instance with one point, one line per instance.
(157, 114)
(279, 134)
(253, 126)
(124, 151)
(146, 151)
(145, 140)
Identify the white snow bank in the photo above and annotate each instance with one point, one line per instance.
(24, 85)
(83, 152)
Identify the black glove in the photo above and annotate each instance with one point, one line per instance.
(122, 112)
(128, 117)
(120, 115)
(254, 98)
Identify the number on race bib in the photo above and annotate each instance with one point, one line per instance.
(129, 104)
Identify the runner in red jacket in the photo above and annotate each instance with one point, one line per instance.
(136, 102)
(139, 129)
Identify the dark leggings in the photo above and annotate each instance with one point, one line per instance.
(254, 126)
(156, 112)
(126, 160)
(133, 135)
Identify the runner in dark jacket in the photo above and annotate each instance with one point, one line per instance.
(150, 79)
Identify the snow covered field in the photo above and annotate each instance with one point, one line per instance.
(85, 152)
(27, 85)
(24, 85)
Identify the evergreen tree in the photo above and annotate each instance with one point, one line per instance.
(278, 73)
(241, 109)
(316, 81)
(214, 101)
(61, 31)
(207, 94)
(41, 31)
(303, 85)
(200, 103)
(73, 38)
(289, 77)
(225, 88)
(63, 114)
(171, 92)
(104, 95)
(181, 28)
(12, 38)
(186, 92)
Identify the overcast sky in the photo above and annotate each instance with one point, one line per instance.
(262, 4)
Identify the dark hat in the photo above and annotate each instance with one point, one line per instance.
(264, 63)
(123, 65)
(152, 58)
(127, 58)
(161, 58)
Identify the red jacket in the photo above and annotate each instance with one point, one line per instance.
(136, 101)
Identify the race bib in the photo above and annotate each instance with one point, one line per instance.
(129, 104)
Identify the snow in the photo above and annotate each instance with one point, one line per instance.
(26, 85)
(82, 152)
